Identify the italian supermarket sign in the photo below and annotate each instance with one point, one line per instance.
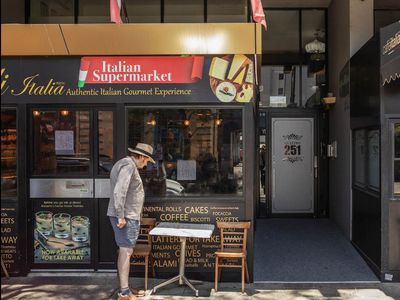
(144, 79)
(140, 70)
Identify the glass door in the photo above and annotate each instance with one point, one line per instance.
(70, 149)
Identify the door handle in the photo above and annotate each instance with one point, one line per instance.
(315, 166)
(273, 183)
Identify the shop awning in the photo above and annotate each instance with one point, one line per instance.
(130, 39)
(390, 53)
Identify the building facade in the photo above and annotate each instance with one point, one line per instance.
(236, 114)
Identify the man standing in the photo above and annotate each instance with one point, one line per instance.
(125, 208)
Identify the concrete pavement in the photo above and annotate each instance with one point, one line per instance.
(79, 285)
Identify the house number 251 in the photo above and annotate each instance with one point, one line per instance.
(292, 149)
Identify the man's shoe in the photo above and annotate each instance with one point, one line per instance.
(130, 296)
(138, 293)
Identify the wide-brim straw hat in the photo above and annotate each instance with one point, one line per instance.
(143, 149)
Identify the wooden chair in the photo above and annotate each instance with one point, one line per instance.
(142, 251)
(232, 253)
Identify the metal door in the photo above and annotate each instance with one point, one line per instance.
(293, 165)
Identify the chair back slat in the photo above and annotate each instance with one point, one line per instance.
(146, 225)
(233, 235)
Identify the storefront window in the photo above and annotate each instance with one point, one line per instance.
(106, 141)
(396, 163)
(197, 151)
(281, 86)
(61, 142)
(8, 153)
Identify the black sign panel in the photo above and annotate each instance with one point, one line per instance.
(129, 79)
(9, 236)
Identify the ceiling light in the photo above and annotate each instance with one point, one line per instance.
(315, 46)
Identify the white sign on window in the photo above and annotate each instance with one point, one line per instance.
(64, 142)
(186, 169)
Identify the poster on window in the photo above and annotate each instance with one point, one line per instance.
(186, 169)
(64, 142)
(61, 231)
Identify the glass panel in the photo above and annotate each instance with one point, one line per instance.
(61, 142)
(314, 86)
(360, 155)
(197, 152)
(8, 153)
(94, 11)
(313, 44)
(183, 11)
(148, 11)
(281, 41)
(281, 86)
(106, 141)
(373, 159)
(396, 189)
(396, 165)
(397, 140)
(13, 11)
(52, 11)
(313, 31)
(227, 11)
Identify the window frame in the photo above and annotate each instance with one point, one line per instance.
(392, 123)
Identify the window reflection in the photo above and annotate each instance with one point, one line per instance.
(8, 153)
(396, 164)
(61, 142)
(106, 141)
(197, 152)
(281, 86)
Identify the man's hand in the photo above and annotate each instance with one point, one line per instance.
(121, 222)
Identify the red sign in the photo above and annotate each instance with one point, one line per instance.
(140, 69)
